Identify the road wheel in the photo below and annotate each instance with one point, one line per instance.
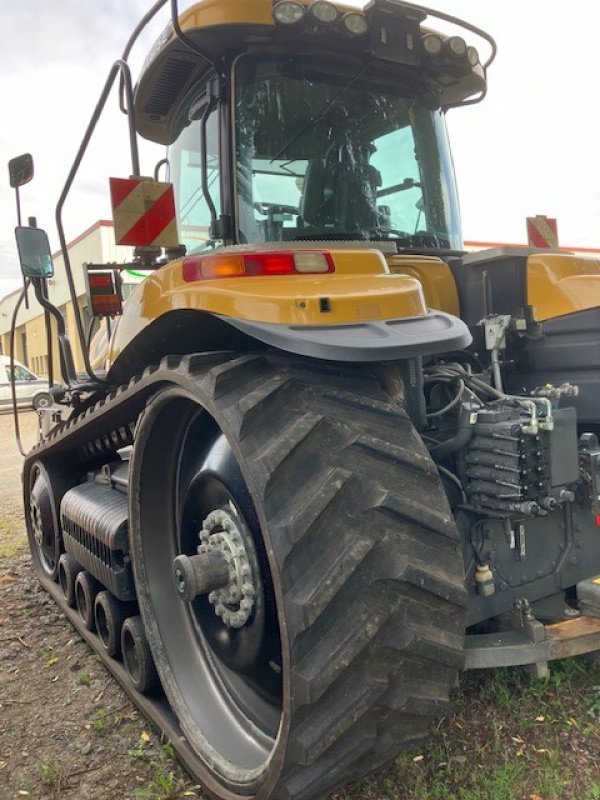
(298, 573)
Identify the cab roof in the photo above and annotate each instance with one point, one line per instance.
(223, 29)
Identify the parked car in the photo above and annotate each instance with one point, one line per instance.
(32, 391)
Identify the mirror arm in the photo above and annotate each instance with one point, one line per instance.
(48, 326)
(66, 354)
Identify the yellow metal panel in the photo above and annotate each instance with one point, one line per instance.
(227, 12)
(562, 284)
(296, 300)
(435, 276)
(359, 262)
(209, 13)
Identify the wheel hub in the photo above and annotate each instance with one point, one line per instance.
(221, 535)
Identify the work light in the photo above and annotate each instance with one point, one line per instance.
(356, 24)
(288, 12)
(432, 44)
(457, 46)
(472, 56)
(324, 11)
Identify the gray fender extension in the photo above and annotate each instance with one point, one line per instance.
(385, 340)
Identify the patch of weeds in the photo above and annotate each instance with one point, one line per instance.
(501, 690)
(51, 775)
(163, 786)
(84, 678)
(593, 793)
(141, 748)
(592, 702)
(168, 781)
(49, 657)
(549, 777)
(99, 721)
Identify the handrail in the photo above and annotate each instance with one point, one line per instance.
(461, 23)
(119, 67)
(148, 17)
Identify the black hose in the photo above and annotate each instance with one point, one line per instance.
(462, 438)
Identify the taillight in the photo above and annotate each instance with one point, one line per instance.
(104, 293)
(237, 265)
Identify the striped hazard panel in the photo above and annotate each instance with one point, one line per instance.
(143, 212)
(542, 232)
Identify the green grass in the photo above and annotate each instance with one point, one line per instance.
(100, 720)
(84, 678)
(13, 540)
(51, 775)
(510, 737)
(168, 782)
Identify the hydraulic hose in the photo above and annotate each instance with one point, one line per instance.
(465, 431)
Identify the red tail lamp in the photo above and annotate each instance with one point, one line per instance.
(104, 294)
(238, 265)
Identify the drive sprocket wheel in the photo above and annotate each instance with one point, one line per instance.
(355, 633)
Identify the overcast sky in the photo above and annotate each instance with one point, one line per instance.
(530, 148)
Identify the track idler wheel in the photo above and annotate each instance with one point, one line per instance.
(86, 588)
(110, 614)
(68, 570)
(137, 656)
(42, 511)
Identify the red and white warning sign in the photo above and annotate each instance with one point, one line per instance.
(542, 232)
(143, 212)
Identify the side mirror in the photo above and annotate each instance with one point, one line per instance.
(20, 170)
(34, 252)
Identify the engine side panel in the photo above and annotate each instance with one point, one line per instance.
(561, 284)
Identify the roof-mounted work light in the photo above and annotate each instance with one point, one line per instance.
(457, 46)
(473, 56)
(356, 24)
(324, 11)
(432, 44)
(289, 12)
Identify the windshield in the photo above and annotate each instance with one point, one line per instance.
(323, 154)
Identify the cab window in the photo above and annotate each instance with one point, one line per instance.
(193, 212)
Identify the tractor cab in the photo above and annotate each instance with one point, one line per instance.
(310, 122)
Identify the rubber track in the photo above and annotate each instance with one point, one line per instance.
(364, 543)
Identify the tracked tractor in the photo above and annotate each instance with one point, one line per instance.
(321, 460)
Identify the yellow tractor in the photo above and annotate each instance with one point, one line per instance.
(322, 459)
